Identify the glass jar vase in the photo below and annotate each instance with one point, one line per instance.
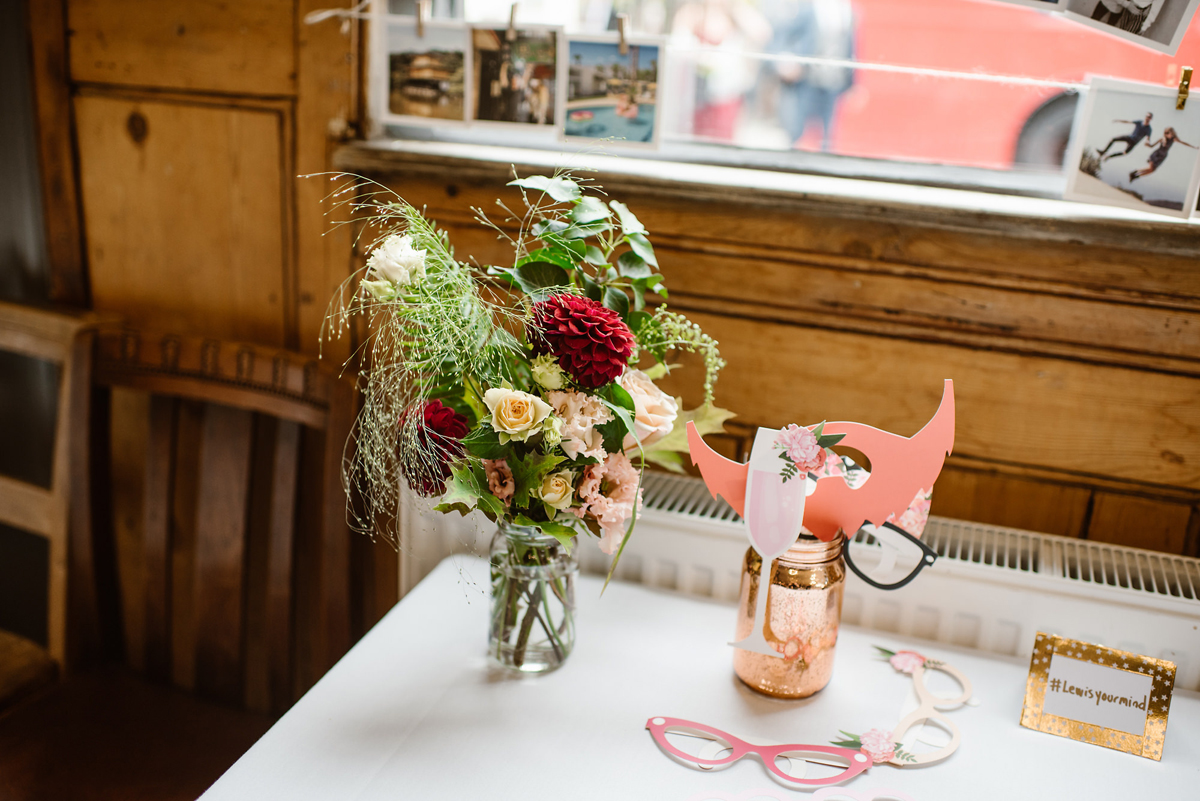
(533, 600)
(804, 610)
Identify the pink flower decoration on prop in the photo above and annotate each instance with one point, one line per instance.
(801, 448)
(878, 745)
(906, 661)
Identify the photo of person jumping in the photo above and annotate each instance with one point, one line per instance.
(1119, 118)
(1141, 130)
(1156, 159)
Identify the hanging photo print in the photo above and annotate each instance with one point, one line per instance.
(1157, 24)
(611, 96)
(425, 74)
(1045, 5)
(1132, 148)
(516, 78)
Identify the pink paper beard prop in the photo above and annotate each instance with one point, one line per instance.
(901, 467)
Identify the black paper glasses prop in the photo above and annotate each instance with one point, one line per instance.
(712, 748)
(887, 557)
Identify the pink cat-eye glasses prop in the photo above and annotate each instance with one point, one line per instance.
(732, 749)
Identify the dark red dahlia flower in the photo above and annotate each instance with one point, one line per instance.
(425, 462)
(591, 342)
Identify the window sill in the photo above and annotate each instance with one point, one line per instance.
(877, 201)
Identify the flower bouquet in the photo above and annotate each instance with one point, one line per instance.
(524, 391)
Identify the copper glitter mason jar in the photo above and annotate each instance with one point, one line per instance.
(804, 610)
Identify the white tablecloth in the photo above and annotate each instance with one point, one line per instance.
(413, 712)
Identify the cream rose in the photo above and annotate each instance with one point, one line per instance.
(515, 414)
(656, 410)
(397, 262)
(547, 373)
(556, 489)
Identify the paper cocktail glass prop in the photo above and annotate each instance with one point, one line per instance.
(883, 510)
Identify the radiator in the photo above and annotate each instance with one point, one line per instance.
(991, 589)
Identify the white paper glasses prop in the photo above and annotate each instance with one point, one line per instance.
(883, 746)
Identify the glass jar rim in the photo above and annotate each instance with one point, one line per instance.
(810, 550)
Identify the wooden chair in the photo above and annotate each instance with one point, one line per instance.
(244, 543)
(236, 565)
(65, 341)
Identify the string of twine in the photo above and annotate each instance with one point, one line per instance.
(346, 14)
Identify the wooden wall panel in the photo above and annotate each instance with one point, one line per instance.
(1009, 501)
(185, 228)
(324, 115)
(1024, 409)
(201, 45)
(1075, 351)
(1140, 522)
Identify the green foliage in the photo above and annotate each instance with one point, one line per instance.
(466, 490)
(528, 472)
(561, 189)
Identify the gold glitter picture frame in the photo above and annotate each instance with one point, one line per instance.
(1157, 701)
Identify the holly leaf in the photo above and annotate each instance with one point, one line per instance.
(642, 247)
(564, 190)
(629, 223)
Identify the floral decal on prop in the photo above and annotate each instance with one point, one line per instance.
(876, 744)
(525, 390)
(805, 451)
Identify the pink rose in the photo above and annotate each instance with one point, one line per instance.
(801, 447)
(907, 661)
(878, 745)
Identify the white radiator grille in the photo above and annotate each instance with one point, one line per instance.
(991, 588)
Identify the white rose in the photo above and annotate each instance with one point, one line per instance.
(656, 410)
(515, 414)
(397, 262)
(547, 373)
(556, 489)
(553, 427)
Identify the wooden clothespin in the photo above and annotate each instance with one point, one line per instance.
(623, 33)
(423, 9)
(512, 23)
(1185, 82)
